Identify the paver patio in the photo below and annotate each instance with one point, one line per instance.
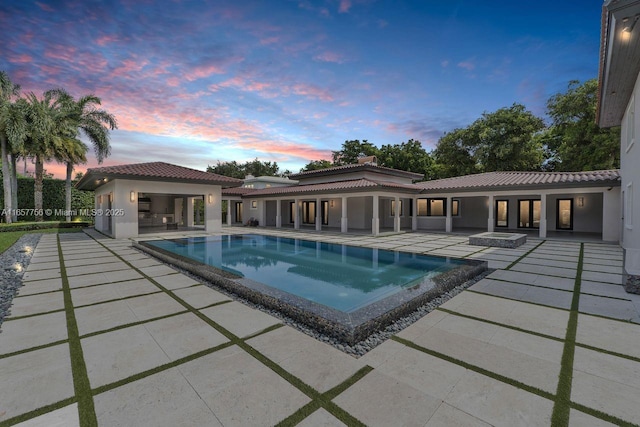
(101, 333)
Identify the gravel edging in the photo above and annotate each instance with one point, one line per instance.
(14, 262)
(358, 349)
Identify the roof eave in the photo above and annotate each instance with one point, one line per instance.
(91, 181)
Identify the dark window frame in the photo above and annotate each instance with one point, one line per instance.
(531, 219)
(507, 210)
(570, 214)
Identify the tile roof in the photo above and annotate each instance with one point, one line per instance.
(237, 191)
(155, 171)
(497, 180)
(339, 186)
(355, 167)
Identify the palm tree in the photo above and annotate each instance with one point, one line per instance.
(48, 132)
(85, 118)
(12, 133)
(73, 153)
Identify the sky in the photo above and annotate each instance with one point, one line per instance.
(288, 81)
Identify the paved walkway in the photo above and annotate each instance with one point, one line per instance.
(102, 334)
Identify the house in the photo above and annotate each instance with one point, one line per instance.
(367, 197)
(136, 198)
(618, 96)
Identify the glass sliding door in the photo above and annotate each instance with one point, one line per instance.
(529, 213)
(239, 212)
(564, 214)
(324, 213)
(309, 212)
(502, 213)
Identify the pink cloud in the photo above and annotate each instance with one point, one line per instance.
(129, 66)
(312, 91)
(269, 40)
(329, 57)
(106, 39)
(345, 5)
(467, 65)
(20, 59)
(45, 7)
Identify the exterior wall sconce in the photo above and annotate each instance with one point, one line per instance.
(254, 204)
(581, 201)
(331, 203)
(110, 197)
(210, 198)
(132, 196)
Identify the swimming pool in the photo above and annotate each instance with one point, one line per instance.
(338, 286)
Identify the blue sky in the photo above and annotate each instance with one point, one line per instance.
(196, 82)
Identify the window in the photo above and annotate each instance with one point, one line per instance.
(631, 123)
(309, 212)
(628, 207)
(529, 213)
(324, 212)
(455, 207)
(254, 204)
(502, 213)
(238, 212)
(432, 207)
(422, 207)
(393, 208)
(564, 217)
(292, 212)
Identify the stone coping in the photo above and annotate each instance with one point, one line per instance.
(349, 328)
(498, 239)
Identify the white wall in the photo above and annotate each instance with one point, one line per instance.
(126, 225)
(474, 213)
(630, 171)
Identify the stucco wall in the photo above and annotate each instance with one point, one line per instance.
(474, 213)
(629, 161)
(125, 220)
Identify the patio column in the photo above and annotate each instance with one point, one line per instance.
(229, 212)
(296, 214)
(278, 213)
(375, 215)
(448, 222)
(318, 214)
(189, 211)
(543, 216)
(262, 213)
(344, 223)
(414, 217)
(396, 216)
(491, 222)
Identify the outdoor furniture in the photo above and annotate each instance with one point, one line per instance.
(172, 226)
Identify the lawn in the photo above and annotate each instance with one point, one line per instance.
(8, 238)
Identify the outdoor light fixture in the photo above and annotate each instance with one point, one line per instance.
(110, 197)
(628, 28)
(210, 198)
(331, 203)
(581, 201)
(132, 196)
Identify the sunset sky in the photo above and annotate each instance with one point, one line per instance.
(196, 82)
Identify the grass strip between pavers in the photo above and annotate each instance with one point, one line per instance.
(523, 256)
(309, 391)
(475, 368)
(37, 412)
(561, 408)
(326, 399)
(81, 384)
(27, 350)
(491, 322)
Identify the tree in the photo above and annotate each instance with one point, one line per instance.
(574, 141)
(232, 169)
(48, 132)
(352, 150)
(254, 167)
(83, 117)
(12, 133)
(505, 140)
(407, 156)
(314, 165)
(452, 157)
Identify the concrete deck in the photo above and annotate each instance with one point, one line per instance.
(101, 333)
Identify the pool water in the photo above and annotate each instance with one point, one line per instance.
(346, 278)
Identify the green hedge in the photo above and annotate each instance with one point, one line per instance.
(52, 198)
(31, 226)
